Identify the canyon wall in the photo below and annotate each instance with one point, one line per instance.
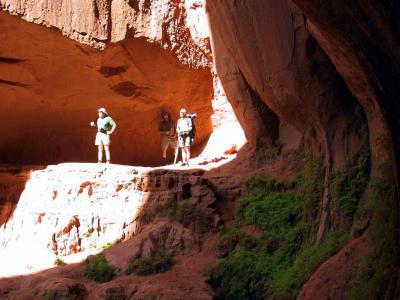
(314, 66)
(179, 26)
(298, 75)
(142, 58)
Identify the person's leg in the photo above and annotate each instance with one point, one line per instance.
(187, 145)
(176, 154)
(164, 147)
(107, 150)
(183, 151)
(176, 151)
(187, 155)
(100, 153)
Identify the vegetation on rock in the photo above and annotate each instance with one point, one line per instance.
(286, 255)
(98, 269)
(188, 214)
(377, 210)
(159, 262)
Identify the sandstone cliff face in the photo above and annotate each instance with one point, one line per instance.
(296, 72)
(179, 26)
(71, 211)
(134, 80)
(292, 59)
(155, 59)
(364, 48)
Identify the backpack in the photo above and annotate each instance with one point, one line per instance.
(192, 117)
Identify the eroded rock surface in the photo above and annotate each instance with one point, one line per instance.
(73, 210)
(135, 80)
(180, 26)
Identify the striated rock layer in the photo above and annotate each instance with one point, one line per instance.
(71, 211)
(179, 26)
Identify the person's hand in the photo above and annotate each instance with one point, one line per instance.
(92, 124)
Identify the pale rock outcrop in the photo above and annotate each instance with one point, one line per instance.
(74, 210)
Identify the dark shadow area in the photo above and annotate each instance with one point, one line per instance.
(11, 60)
(14, 83)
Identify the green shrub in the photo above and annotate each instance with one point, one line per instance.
(159, 262)
(377, 265)
(59, 262)
(98, 269)
(285, 256)
(191, 216)
(269, 153)
(188, 214)
(228, 238)
(348, 186)
(107, 246)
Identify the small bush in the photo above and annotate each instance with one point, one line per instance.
(191, 216)
(269, 153)
(159, 262)
(228, 239)
(59, 262)
(348, 186)
(188, 214)
(107, 246)
(98, 269)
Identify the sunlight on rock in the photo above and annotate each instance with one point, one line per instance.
(68, 209)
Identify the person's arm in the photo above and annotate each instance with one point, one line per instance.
(172, 130)
(113, 126)
(93, 124)
(112, 129)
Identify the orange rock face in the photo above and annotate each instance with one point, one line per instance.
(295, 76)
(57, 94)
(180, 26)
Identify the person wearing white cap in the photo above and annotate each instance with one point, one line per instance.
(184, 129)
(105, 127)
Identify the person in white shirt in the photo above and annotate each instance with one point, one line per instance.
(184, 130)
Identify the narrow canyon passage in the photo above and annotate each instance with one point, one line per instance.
(52, 86)
(293, 188)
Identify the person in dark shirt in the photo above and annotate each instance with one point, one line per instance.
(168, 136)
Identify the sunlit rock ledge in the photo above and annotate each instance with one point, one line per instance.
(74, 210)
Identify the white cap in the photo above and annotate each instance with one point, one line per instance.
(103, 110)
(183, 110)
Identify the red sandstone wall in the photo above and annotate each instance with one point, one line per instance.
(51, 86)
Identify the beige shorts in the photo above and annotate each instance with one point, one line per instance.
(102, 139)
(185, 140)
(166, 142)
